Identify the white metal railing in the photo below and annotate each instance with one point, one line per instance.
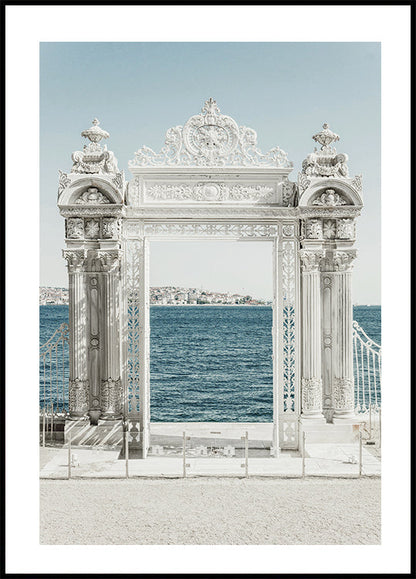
(367, 370)
(54, 372)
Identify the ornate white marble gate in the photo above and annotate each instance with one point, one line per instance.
(210, 181)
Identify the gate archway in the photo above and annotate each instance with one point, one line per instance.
(210, 181)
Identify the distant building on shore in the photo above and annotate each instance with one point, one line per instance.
(164, 296)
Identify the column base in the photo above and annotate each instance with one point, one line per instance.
(313, 418)
(77, 416)
(110, 416)
(341, 416)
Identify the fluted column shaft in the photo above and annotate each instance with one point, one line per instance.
(343, 380)
(111, 386)
(78, 346)
(311, 336)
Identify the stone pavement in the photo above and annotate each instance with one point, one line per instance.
(205, 455)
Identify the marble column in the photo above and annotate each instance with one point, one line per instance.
(343, 373)
(311, 336)
(111, 385)
(78, 347)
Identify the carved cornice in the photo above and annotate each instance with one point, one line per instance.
(88, 211)
(311, 259)
(324, 211)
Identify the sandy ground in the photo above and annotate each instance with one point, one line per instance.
(210, 512)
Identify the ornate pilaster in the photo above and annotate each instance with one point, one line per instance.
(343, 376)
(111, 391)
(78, 370)
(311, 335)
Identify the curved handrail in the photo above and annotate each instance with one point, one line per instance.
(63, 330)
(357, 329)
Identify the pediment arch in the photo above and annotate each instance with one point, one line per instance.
(91, 190)
(318, 193)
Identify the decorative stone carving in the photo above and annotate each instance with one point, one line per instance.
(111, 228)
(357, 182)
(330, 199)
(75, 258)
(111, 396)
(288, 193)
(75, 228)
(303, 181)
(314, 229)
(210, 139)
(94, 158)
(325, 162)
(288, 230)
(78, 396)
(92, 228)
(345, 229)
(311, 394)
(109, 259)
(311, 259)
(92, 196)
(64, 181)
(329, 229)
(212, 229)
(209, 192)
(343, 394)
(342, 260)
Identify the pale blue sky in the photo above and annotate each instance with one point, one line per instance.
(285, 91)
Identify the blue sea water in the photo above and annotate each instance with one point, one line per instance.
(210, 363)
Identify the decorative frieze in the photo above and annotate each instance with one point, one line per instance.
(210, 192)
(212, 229)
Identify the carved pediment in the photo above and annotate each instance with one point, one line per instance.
(92, 196)
(210, 139)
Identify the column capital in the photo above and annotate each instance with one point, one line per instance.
(311, 259)
(110, 259)
(342, 259)
(75, 259)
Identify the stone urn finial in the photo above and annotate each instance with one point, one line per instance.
(95, 133)
(325, 137)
